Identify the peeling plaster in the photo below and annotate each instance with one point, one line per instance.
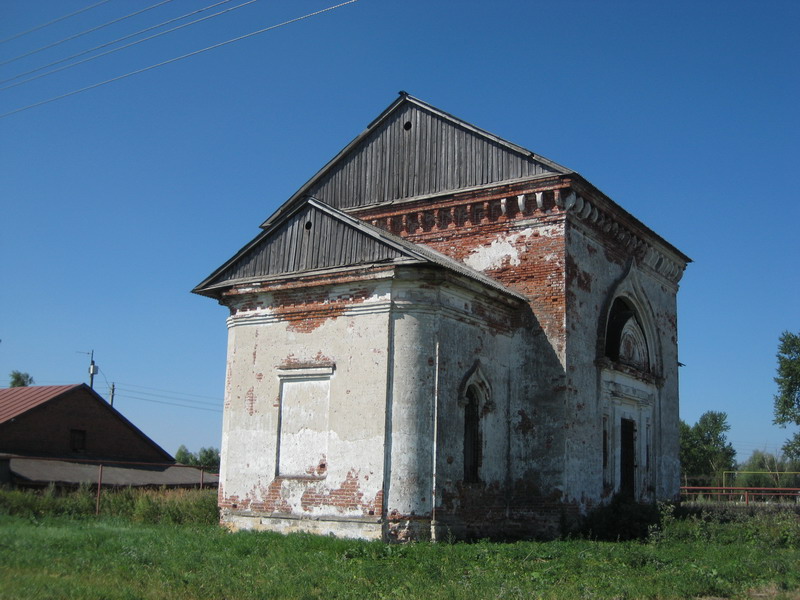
(503, 251)
(376, 472)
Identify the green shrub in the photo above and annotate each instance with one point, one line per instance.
(621, 519)
(145, 510)
(140, 505)
(16, 502)
(760, 527)
(48, 501)
(774, 530)
(120, 502)
(82, 501)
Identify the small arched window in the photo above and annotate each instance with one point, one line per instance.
(625, 339)
(472, 436)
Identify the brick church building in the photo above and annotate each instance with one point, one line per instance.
(443, 333)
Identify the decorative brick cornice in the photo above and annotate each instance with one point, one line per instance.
(599, 214)
(566, 195)
(479, 206)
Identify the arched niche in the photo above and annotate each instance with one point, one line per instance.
(629, 354)
(475, 398)
(626, 342)
(476, 379)
(626, 333)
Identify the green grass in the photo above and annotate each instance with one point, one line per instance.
(141, 505)
(116, 558)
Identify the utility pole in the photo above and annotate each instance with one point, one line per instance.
(92, 370)
(112, 393)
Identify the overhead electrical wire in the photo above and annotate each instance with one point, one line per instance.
(124, 389)
(174, 393)
(105, 45)
(85, 32)
(179, 402)
(132, 397)
(43, 25)
(176, 59)
(127, 391)
(99, 370)
(107, 52)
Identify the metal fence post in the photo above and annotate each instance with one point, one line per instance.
(99, 484)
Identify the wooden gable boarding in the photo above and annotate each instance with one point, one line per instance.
(312, 238)
(315, 238)
(414, 149)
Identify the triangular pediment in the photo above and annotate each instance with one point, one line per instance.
(312, 238)
(315, 238)
(413, 149)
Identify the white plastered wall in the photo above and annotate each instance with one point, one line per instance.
(281, 369)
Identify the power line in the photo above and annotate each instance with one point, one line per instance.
(144, 387)
(174, 395)
(104, 377)
(43, 25)
(82, 33)
(176, 59)
(131, 397)
(179, 399)
(122, 39)
(80, 62)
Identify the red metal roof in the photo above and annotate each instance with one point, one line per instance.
(17, 400)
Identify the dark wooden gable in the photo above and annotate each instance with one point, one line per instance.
(413, 149)
(313, 238)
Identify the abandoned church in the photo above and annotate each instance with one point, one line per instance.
(445, 334)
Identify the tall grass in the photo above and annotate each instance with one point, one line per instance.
(138, 505)
(699, 555)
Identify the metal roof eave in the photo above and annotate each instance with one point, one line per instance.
(266, 279)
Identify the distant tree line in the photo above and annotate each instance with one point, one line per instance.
(706, 454)
(767, 470)
(206, 458)
(787, 400)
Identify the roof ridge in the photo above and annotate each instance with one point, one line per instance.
(403, 99)
(485, 133)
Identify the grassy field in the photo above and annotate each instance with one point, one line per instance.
(79, 557)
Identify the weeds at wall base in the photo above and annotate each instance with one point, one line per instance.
(621, 519)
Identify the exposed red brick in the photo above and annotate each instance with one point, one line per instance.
(250, 401)
(347, 497)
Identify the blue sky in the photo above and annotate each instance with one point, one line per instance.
(117, 201)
